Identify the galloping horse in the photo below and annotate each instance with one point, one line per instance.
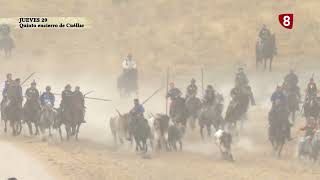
(6, 42)
(266, 50)
(13, 113)
(237, 109)
(193, 107)
(278, 128)
(31, 114)
(127, 82)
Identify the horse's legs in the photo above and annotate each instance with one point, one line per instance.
(180, 143)
(77, 130)
(50, 134)
(30, 128)
(67, 127)
(270, 64)
(201, 131)
(5, 126)
(280, 149)
(209, 130)
(37, 128)
(264, 64)
(60, 133)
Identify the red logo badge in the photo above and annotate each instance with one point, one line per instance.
(286, 20)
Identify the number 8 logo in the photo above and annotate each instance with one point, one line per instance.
(286, 20)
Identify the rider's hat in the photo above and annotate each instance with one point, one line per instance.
(9, 74)
(33, 82)
(68, 86)
(193, 80)
(48, 88)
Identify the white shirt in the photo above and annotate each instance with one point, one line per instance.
(129, 64)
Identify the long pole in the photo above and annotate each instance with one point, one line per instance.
(202, 81)
(24, 81)
(167, 86)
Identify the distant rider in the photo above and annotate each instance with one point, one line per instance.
(209, 96)
(7, 83)
(173, 92)
(66, 98)
(241, 78)
(129, 64)
(279, 111)
(311, 89)
(32, 95)
(291, 80)
(264, 33)
(78, 103)
(192, 89)
(137, 110)
(47, 97)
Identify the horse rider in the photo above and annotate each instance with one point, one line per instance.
(173, 92)
(66, 98)
(209, 96)
(32, 96)
(47, 97)
(310, 128)
(15, 97)
(78, 103)
(7, 83)
(15, 92)
(137, 111)
(264, 33)
(241, 78)
(312, 90)
(192, 89)
(279, 104)
(278, 96)
(291, 80)
(129, 64)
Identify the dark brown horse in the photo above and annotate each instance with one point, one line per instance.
(266, 50)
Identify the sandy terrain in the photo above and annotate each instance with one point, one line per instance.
(88, 159)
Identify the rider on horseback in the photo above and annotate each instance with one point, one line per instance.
(264, 33)
(174, 92)
(66, 98)
(7, 83)
(209, 96)
(129, 64)
(279, 106)
(311, 89)
(177, 105)
(14, 92)
(47, 96)
(310, 129)
(32, 96)
(291, 80)
(78, 103)
(241, 78)
(32, 93)
(137, 110)
(192, 89)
